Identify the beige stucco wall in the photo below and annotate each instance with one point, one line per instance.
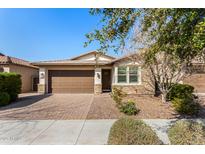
(69, 67)
(26, 75)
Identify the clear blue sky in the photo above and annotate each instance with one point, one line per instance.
(45, 34)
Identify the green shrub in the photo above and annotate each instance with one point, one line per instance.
(129, 108)
(10, 83)
(188, 106)
(180, 91)
(4, 98)
(187, 133)
(183, 99)
(128, 131)
(118, 95)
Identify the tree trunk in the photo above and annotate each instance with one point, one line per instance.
(164, 97)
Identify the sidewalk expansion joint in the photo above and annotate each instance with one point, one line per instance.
(42, 132)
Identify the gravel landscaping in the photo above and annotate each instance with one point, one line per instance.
(103, 107)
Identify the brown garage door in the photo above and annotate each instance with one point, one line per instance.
(71, 81)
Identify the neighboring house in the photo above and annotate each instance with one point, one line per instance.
(197, 79)
(89, 73)
(27, 71)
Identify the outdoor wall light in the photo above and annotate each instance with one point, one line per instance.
(42, 75)
(98, 75)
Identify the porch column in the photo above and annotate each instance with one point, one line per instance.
(98, 81)
(42, 80)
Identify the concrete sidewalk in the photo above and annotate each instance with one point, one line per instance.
(90, 132)
(55, 132)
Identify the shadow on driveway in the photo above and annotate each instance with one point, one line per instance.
(48, 107)
(25, 100)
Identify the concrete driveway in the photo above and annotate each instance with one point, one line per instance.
(72, 132)
(48, 107)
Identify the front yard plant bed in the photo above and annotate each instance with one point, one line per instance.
(180, 91)
(126, 107)
(186, 106)
(127, 131)
(129, 108)
(183, 100)
(187, 133)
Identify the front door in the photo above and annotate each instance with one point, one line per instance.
(106, 80)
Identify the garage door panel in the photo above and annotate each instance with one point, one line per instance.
(71, 81)
(62, 90)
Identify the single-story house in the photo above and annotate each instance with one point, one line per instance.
(28, 72)
(96, 73)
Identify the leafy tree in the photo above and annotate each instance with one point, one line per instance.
(116, 24)
(176, 31)
(176, 36)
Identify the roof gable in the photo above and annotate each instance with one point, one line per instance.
(92, 56)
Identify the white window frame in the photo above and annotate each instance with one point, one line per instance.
(127, 76)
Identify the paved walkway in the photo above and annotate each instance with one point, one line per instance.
(48, 107)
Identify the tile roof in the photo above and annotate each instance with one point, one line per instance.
(11, 60)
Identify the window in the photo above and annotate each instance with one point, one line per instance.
(133, 74)
(122, 74)
(128, 74)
